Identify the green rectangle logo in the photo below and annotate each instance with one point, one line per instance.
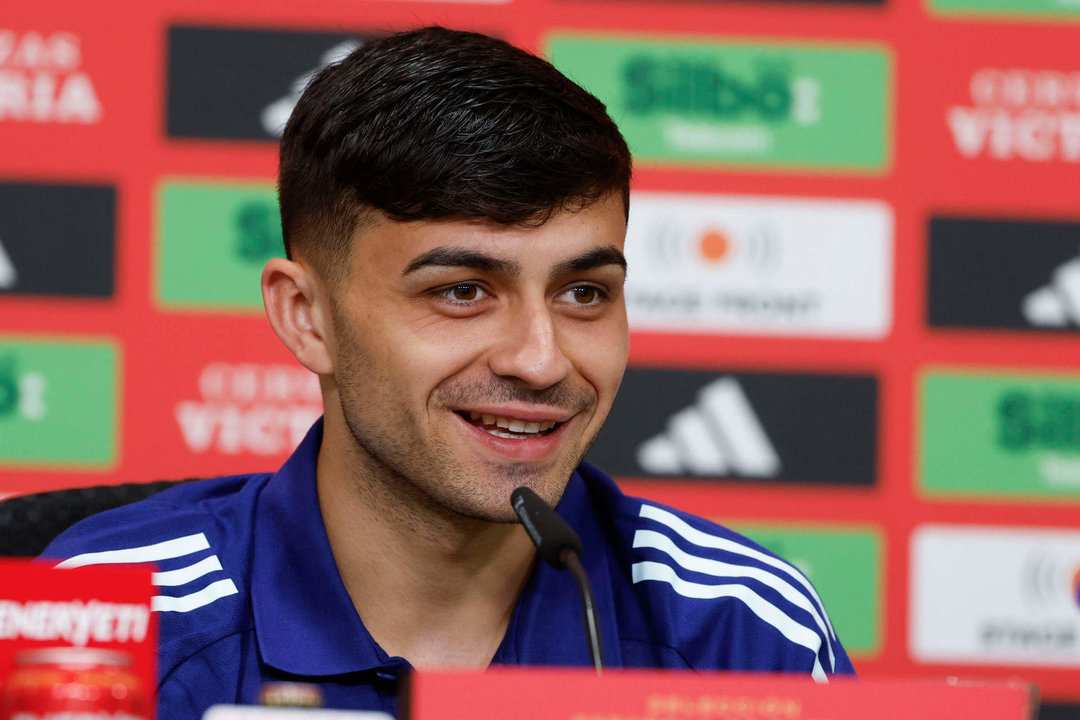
(844, 564)
(1000, 435)
(739, 103)
(58, 402)
(213, 240)
(1028, 8)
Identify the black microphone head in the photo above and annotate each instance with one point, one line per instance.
(549, 532)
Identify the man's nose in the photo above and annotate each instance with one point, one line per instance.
(528, 349)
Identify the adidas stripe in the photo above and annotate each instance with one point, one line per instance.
(695, 536)
(778, 576)
(168, 550)
(716, 568)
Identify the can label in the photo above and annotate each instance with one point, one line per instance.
(70, 683)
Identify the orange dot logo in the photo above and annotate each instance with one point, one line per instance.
(1076, 586)
(714, 246)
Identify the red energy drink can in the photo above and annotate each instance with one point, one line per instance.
(69, 683)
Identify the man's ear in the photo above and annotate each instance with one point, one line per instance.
(296, 306)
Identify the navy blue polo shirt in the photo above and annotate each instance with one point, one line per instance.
(249, 592)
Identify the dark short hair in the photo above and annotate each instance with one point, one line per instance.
(436, 123)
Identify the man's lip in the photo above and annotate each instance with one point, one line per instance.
(538, 448)
(526, 413)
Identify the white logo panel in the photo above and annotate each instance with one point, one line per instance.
(995, 596)
(760, 266)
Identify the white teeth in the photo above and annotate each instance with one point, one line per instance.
(514, 426)
(508, 436)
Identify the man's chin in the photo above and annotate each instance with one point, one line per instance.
(547, 482)
(549, 488)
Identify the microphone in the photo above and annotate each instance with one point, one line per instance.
(560, 547)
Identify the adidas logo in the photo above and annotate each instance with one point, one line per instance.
(188, 578)
(8, 275)
(719, 435)
(276, 114)
(1056, 304)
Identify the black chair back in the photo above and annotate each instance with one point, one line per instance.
(28, 523)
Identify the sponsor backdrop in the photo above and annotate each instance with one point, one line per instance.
(854, 286)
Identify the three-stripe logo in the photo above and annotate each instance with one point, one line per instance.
(183, 577)
(741, 563)
(1056, 304)
(718, 435)
(275, 115)
(8, 276)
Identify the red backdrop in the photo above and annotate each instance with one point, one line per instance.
(964, 119)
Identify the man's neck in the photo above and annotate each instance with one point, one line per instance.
(436, 589)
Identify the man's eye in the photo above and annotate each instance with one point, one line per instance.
(463, 293)
(584, 295)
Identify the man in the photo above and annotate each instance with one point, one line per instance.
(454, 211)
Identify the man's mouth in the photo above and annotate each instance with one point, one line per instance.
(510, 428)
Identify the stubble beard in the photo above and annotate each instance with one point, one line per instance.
(418, 478)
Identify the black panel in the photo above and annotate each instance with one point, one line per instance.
(1058, 711)
(221, 80)
(822, 427)
(981, 271)
(57, 239)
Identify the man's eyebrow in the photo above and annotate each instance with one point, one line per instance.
(461, 257)
(597, 257)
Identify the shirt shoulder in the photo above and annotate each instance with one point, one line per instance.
(712, 596)
(198, 538)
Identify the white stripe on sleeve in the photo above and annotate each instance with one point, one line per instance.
(148, 553)
(695, 536)
(184, 575)
(658, 541)
(793, 631)
(186, 603)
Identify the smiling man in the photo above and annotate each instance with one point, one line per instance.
(454, 212)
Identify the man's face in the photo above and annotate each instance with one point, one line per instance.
(472, 358)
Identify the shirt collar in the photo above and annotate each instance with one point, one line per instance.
(547, 627)
(306, 622)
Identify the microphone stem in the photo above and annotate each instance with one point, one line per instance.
(592, 629)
